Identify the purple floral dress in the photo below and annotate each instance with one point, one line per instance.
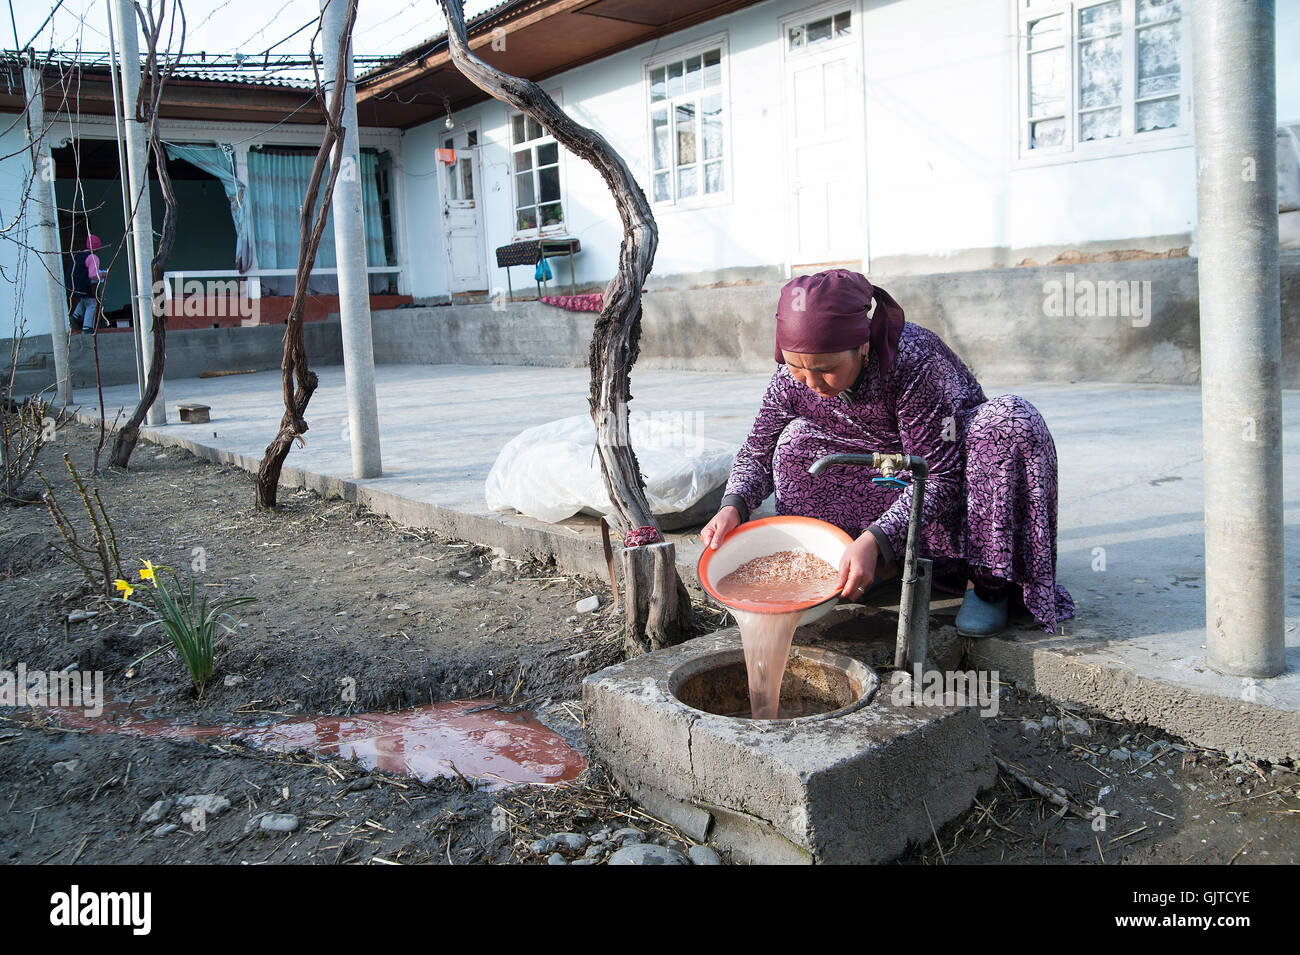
(990, 498)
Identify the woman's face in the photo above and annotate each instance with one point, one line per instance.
(827, 374)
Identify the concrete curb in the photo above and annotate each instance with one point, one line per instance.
(1206, 719)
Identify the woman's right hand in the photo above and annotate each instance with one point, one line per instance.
(724, 522)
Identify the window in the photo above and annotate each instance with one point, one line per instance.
(535, 166)
(687, 125)
(1101, 72)
(818, 31)
(277, 181)
(460, 178)
(384, 191)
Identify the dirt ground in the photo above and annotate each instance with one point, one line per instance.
(1151, 798)
(347, 598)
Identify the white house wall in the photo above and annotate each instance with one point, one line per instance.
(945, 187)
(609, 95)
(427, 268)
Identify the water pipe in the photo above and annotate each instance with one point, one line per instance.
(914, 601)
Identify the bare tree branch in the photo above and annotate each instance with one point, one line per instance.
(658, 606)
(311, 227)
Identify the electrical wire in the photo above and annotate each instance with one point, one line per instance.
(48, 18)
(14, 22)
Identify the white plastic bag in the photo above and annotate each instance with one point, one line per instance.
(551, 472)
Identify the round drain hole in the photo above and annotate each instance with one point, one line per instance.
(817, 684)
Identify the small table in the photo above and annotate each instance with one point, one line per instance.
(532, 251)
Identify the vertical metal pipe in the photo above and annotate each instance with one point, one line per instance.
(137, 165)
(113, 70)
(350, 256)
(919, 640)
(905, 652)
(47, 234)
(1234, 86)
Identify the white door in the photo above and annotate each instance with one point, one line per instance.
(824, 122)
(462, 212)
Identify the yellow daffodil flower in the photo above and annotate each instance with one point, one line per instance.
(147, 573)
(126, 588)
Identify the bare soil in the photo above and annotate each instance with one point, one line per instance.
(1177, 805)
(346, 598)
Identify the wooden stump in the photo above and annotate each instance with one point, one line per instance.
(655, 601)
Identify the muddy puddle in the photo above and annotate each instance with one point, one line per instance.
(465, 738)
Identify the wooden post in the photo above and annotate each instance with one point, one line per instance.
(657, 605)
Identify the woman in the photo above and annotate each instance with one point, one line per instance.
(859, 379)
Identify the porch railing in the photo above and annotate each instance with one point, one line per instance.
(252, 280)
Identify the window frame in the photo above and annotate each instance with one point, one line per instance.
(1129, 141)
(456, 178)
(824, 11)
(539, 231)
(700, 199)
(384, 186)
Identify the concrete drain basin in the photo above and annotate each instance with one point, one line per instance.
(817, 684)
(851, 776)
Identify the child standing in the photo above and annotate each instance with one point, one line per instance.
(84, 281)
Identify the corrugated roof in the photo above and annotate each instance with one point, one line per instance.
(251, 72)
(243, 78)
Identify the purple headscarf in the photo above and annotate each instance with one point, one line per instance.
(827, 312)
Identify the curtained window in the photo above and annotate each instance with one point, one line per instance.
(688, 122)
(219, 162)
(1108, 76)
(277, 182)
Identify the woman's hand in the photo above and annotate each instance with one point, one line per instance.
(724, 522)
(858, 566)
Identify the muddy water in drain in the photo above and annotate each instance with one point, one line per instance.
(775, 580)
(442, 739)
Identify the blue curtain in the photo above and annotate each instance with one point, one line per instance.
(373, 212)
(277, 180)
(219, 161)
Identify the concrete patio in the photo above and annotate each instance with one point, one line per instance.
(1130, 534)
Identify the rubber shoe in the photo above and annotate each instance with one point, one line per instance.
(979, 618)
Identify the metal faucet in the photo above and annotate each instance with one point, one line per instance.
(914, 602)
